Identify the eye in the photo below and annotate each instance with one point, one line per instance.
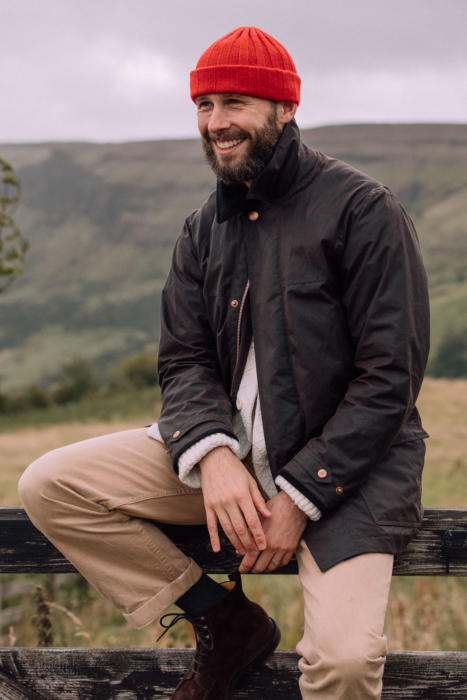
(203, 105)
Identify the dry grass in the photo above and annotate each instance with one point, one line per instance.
(424, 613)
(443, 406)
(21, 447)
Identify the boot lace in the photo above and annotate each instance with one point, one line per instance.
(204, 641)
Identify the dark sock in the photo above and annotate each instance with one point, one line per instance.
(202, 595)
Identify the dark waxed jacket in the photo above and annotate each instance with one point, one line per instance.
(321, 265)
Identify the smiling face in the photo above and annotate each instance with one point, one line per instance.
(239, 133)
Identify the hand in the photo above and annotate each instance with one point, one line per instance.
(232, 498)
(283, 532)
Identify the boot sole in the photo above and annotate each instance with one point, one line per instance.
(261, 655)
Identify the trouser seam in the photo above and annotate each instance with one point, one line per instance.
(139, 521)
(157, 495)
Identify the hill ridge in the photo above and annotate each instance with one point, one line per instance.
(102, 220)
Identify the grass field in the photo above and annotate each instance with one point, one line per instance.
(424, 613)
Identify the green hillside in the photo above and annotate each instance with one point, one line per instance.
(102, 220)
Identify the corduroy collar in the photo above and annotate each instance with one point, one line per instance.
(271, 184)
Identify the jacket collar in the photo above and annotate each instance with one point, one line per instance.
(271, 184)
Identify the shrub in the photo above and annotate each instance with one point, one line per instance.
(136, 371)
(78, 380)
(451, 358)
(37, 397)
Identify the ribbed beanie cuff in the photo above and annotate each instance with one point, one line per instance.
(250, 62)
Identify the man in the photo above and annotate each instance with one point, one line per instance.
(293, 343)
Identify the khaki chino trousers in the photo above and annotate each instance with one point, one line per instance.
(96, 499)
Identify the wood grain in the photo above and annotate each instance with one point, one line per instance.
(23, 549)
(143, 674)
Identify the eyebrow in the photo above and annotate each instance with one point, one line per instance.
(225, 94)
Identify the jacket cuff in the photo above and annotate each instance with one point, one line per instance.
(299, 499)
(188, 468)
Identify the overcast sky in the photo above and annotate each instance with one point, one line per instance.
(118, 70)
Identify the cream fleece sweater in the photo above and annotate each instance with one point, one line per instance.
(248, 427)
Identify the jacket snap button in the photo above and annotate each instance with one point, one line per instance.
(322, 473)
(339, 490)
(253, 216)
(234, 303)
(176, 434)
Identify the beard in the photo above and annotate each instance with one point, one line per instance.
(259, 152)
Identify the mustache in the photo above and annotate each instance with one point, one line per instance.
(227, 135)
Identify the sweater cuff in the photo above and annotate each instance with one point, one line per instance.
(188, 468)
(299, 499)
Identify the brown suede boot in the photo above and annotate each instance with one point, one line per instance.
(230, 635)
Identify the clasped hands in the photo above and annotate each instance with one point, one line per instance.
(266, 534)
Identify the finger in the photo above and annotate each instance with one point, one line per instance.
(275, 562)
(258, 500)
(211, 522)
(241, 530)
(231, 532)
(262, 563)
(247, 562)
(286, 558)
(254, 523)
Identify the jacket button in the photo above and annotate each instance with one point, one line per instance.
(176, 434)
(239, 404)
(322, 473)
(339, 490)
(234, 303)
(253, 216)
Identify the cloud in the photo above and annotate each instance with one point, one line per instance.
(119, 69)
(133, 71)
(418, 95)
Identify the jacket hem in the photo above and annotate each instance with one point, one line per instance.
(385, 546)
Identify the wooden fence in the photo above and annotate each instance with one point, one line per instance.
(440, 549)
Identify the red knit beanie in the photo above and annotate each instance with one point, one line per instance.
(249, 62)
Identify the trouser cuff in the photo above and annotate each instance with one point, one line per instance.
(153, 608)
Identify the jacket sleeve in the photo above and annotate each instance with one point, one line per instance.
(194, 401)
(384, 293)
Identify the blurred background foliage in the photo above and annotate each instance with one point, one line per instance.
(102, 220)
(13, 246)
(78, 338)
(76, 393)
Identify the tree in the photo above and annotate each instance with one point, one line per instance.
(13, 246)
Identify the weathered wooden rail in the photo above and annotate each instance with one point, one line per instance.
(440, 549)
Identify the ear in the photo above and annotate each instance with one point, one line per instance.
(286, 111)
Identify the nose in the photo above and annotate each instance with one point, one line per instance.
(218, 119)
